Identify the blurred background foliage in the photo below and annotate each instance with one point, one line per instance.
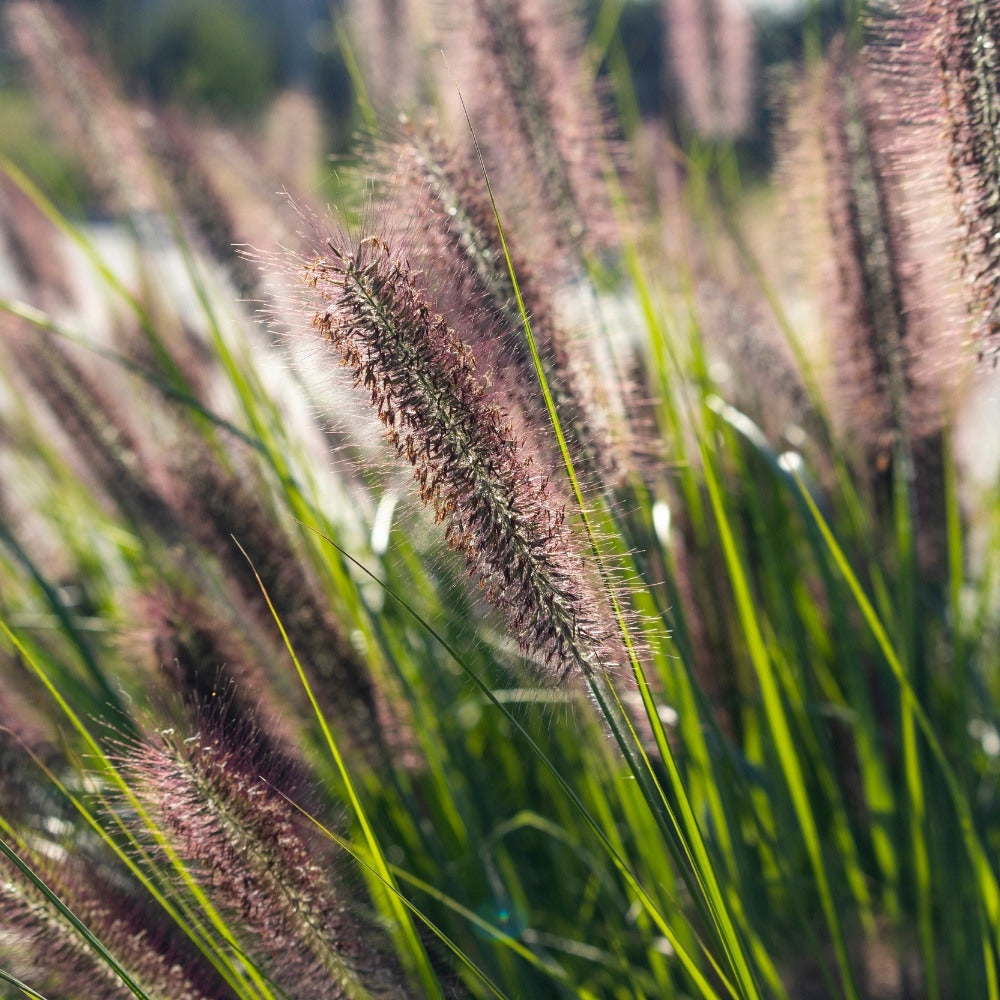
(228, 58)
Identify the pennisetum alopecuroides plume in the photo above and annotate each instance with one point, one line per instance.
(225, 802)
(42, 945)
(535, 110)
(450, 223)
(481, 480)
(895, 350)
(710, 43)
(961, 37)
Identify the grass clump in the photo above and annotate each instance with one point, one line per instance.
(674, 674)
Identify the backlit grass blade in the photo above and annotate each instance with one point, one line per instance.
(987, 883)
(778, 723)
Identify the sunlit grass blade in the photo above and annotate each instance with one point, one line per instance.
(690, 965)
(987, 883)
(779, 724)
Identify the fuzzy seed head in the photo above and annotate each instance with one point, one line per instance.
(497, 508)
(963, 37)
(219, 797)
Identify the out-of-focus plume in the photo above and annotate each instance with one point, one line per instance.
(896, 340)
(293, 140)
(221, 799)
(86, 108)
(202, 654)
(880, 264)
(226, 193)
(33, 247)
(661, 171)
(218, 506)
(95, 421)
(710, 43)
(390, 46)
(211, 211)
(530, 94)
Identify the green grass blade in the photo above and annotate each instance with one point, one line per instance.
(986, 877)
(23, 987)
(418, 956)
(778, 724)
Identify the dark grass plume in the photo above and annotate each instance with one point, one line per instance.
(962, 39)
(896, 352)
(868, 244)
(494, 500)
(388, 33)
(219, 505)
(111, 453)
(225, 802)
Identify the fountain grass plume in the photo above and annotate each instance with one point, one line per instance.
(86, 108)
(224, 799)
(219, 505)
(450, 224)
(867, 242)
(482, 482)
(539, 121)
(896, 356)
(38, 943)
(32, 245)
(711, 55)
(387, 32)
(97, 423)
(962, 38)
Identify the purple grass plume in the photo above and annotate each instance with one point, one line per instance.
(710, 43)
(38, 944)
(218, 505)
(962, 38)
(521, 69)
(225, 803)
(896, 353)
(869, 244)
(389, 39)
(442, 202)
(85, 107)
(498, 509)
